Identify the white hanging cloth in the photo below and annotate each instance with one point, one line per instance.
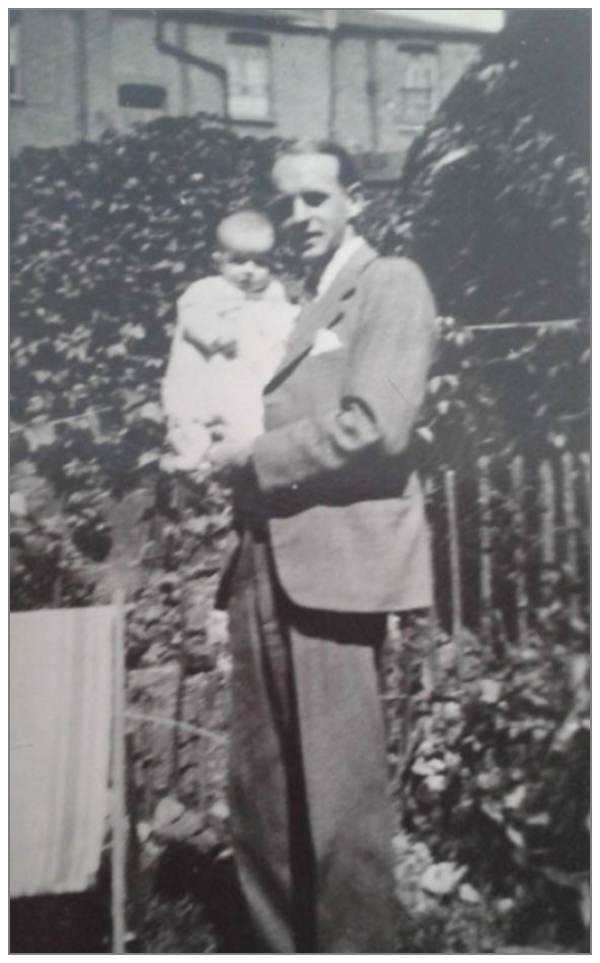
(60, 718)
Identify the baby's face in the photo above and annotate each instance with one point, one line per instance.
(245, 266)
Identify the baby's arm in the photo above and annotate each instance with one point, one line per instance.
(183, 391)
(211, 328)
(211, 343)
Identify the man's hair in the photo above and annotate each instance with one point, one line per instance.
(348, 172)
(243, 224)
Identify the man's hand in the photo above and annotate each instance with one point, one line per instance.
(229, 453)
(232, 461)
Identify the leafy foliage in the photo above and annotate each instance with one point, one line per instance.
(104, 238)
(495, 776)
(179, 926)
(503, 393)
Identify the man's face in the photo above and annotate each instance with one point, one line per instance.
(311, 205)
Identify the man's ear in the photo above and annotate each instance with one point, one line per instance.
(356, 200)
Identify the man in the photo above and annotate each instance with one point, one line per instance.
(344, 542)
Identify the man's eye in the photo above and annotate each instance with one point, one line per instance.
(314, 198)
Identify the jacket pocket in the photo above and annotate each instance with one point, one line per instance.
(322, 377)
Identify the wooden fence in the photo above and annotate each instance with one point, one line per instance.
(509, 538)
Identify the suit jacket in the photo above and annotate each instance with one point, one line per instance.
(345, 506)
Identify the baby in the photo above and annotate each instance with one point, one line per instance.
(230, 337)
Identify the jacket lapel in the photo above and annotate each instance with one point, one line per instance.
(323, 313)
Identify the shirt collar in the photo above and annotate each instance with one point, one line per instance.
(339, 259)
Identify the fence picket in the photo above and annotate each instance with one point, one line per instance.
(570, 522)
(586, 481)
(548, 513)
(517, 474)
(485, 543)
(454, 550)
(119, 780)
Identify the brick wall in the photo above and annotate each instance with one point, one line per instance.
(74, 61)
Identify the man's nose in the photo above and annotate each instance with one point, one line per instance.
(301, 210)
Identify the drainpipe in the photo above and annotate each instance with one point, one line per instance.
(372, 88)
(330, 21)
(181, 54)
(82, 90)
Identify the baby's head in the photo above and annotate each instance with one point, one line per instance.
(244, 241)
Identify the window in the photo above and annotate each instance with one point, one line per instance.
(418, 91)
(249, 77)
(141, 96)
(15, 85)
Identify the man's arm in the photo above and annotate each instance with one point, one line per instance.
(388, 359)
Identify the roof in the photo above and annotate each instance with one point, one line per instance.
(378, 20)
(350, 20)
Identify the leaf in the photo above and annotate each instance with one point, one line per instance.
(490, 691)
(152, 613)
(427, 767)
(516, 837)
(182, 829)
(40, 435)
(196, 526)
(516, 798)
(452, 711)
(436, 783)
(148, 458)
(167, 811)
(538, 819)
(144, 831)
(442, 878)
(152, 411)
(468, 894)
(18, 504)
(426, 434)
(493, 811)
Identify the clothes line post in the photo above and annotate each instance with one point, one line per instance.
(119, 827)
(454, 551)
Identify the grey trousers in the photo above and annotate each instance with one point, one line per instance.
(308, 773)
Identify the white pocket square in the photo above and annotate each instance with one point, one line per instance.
(325, 340)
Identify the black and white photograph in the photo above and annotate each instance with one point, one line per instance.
(299, 478)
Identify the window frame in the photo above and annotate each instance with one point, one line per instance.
(261, 41)
(15, 47)
(416, 50)
(137, 88)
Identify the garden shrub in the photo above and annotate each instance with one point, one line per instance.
(495, 776)
(494, 200)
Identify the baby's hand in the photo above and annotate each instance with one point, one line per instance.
(229, 453)
(226, 345)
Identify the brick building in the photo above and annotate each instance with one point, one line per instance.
(370, 80)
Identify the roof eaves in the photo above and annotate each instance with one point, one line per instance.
(348, 22)
(287, 20)
(403, 26)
